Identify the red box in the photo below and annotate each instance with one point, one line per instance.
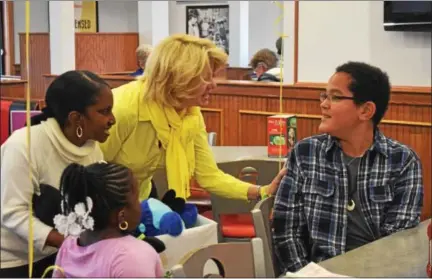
(281, 134)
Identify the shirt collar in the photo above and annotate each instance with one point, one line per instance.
(379, 144)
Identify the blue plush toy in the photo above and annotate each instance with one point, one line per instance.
(169, 216)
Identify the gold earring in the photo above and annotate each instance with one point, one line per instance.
(123, 225)
(79, 132)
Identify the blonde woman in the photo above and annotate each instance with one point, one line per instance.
(159, 122)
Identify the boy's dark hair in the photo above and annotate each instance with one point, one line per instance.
(369, 84)
(71, 91)
(106, 184)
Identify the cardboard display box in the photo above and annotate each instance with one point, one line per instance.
(281, 134)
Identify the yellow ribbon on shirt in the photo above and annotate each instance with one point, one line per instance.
(280, 18)
(28, 100)
(52, 268)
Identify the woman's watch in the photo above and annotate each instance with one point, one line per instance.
(262, 193)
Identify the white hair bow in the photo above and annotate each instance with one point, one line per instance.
(76, 221)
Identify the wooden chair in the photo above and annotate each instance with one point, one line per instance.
(233, 260)
(261, 215)
(234, 216)
(233, 219)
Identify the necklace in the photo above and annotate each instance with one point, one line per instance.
(351, 204)
(352, 160)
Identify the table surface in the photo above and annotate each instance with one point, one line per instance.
(402, 254)
(238, 153)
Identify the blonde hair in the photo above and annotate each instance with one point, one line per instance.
(178, 66)
(264, 56)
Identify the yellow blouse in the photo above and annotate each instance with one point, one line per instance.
(133, 143)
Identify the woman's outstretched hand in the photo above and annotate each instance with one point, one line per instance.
(274, 185)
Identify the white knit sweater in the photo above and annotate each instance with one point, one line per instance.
(50, 153)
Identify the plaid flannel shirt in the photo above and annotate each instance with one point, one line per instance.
(310, 206)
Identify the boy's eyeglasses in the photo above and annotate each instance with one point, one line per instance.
(333, 98)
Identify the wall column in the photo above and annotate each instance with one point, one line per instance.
(239, 33)
(153, 21)
(62, 36)
(289, 40)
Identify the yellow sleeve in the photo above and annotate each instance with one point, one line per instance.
(208, 174)
(125, 123)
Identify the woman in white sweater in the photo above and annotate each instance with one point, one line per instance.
(78, 114)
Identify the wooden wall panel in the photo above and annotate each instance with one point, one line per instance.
(97, 52)
(11, 89)
(214, 119)
(229, 107)
(252, 129)
(238, 73)
(106, 52)
(39, 56)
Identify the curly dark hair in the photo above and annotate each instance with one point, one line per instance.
(369, 84)
(265, 56)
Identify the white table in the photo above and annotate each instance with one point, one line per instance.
(402, 254)
(238, 153)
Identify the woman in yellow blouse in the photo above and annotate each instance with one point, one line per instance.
(159, 122)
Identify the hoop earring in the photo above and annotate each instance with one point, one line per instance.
(79, 132)
(123, 225)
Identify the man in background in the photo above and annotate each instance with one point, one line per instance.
(142, 52)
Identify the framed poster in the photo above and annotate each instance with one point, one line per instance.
(86, 16)
(211, 22)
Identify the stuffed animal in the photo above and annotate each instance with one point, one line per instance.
(171, 216)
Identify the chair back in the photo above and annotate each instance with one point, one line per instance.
(261, 215)
(258, 172)
(266, 169)
(233, 260)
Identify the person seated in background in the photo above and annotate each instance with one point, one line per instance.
(264, 64)
(142, 53)
(350, 185)
(102, 200)
(76, 116)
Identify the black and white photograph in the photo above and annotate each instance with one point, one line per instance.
(211, 22)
